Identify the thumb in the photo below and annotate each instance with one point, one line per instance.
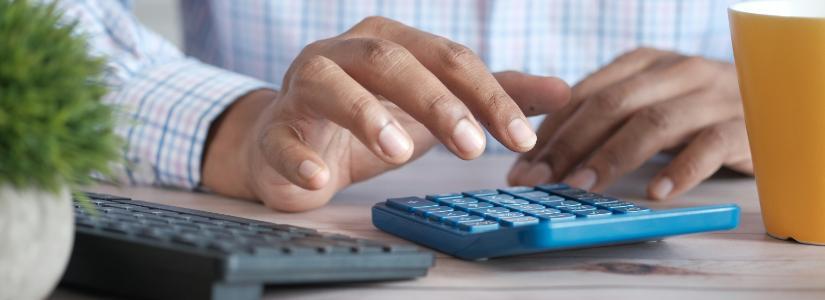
(534, 94)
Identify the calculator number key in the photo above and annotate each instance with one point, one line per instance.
(631, 210)
(409, 203)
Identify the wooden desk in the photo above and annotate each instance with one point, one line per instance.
(740, 264)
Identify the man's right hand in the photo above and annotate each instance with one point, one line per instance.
(364, 102)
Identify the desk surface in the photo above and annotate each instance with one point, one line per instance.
(744, 263)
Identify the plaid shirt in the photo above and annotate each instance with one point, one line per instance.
(169, 99)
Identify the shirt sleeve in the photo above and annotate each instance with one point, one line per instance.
(165, 101)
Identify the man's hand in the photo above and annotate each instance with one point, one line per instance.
(644, 102)
(354, 106)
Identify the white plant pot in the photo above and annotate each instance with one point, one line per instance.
(36, 234)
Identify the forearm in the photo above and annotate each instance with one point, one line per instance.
(224, 169)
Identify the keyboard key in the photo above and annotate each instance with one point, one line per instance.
(631, 209)
(533, 195)
(479, 193)
(579, 208)
(500, 216)
(456, 201)
(552, 186)
(516, 189)
(444, 196)
(472, 206)
(479, 226)
(565, 203)
(490, 210)
(616, 204)
(426, 211)
(409, 203)
(558, 217)
(519, 221)
(441, 216)
(467, 219)
(593, 213)
(528, 207)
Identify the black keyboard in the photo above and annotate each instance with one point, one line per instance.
(147, 250)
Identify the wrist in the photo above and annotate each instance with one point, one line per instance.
(225, 160)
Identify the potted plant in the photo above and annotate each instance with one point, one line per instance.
(54, 133)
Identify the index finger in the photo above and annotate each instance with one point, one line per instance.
(464, 73)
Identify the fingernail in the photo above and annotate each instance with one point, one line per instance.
(539, 173)
(467, 137)
(308, 169)
(583, 179)
(392, 141)
(521, 133)
(518, 170)
(662, 188)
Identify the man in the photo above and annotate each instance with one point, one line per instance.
(331, 96)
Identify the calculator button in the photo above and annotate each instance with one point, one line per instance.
(495, 198)
(552, 186)
(557, 217)
(472, 206)
(546, 211)
(444, 196)
(454, 202)
(548, 199)
(511, 202)
(490, 210)
(598, 201)
(459, 220)
(519, 221)
(409, 203)
(580, 208)
(426, 211)
(500, 216)
(631, 210)
(516, 189)
(441, 216)
(533, 195)
(479, 193)
(528, 207)
(616, 204)
(569, 193)
(565, 203)
(593, 213)
(479, 226)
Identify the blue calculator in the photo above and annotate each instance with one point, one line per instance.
(490, 223)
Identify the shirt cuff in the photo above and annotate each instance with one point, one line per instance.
(167, 111)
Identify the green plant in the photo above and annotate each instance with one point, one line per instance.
(54, 131)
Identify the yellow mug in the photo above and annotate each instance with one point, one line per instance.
(779, 48)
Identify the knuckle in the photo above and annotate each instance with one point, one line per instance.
(637, 53)
(689, 168)
(441, 103)
(498, 102)
(372, 21)
(656, 117)
(456, 56)
(362, 108)
(716, 137)
(311, 69)
(611, 159)
(559, 152)
(383, 53)
(609, 101)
